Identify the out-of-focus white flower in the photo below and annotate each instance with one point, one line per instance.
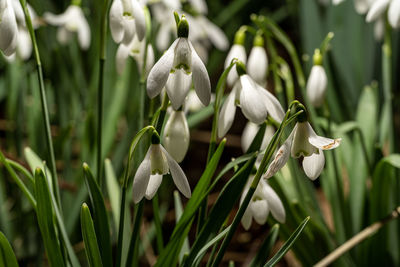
(148, 177)
(250, 131)
(303, 141)
(264, 200)
(71, 21)
(317, 82)
(193, 103)
(255, 103)
(200, 6)
(135, 49)
(237, 51)
(257, 64)
(378, 8)
(127, 19)
(176, 136)
(177, 68)
(8, 28)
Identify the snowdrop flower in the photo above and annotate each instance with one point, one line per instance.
(303, 141)
(176, 69)
(378, 8)
(237, 51)
(193, 103)
(264, 200)
(8, 28)
(250, 131)
(257, 64)
(127, 19)
(156, 163)
(317, 81)
(255, 103)
(176, 136)
(135, 49)
(71, 21)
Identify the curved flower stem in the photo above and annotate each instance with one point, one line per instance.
(266, 159)
(45, 112)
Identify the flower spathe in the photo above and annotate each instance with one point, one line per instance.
(264, 200)
(316, 85)
(71, 21)
(303, 141)
(148, 177)
(8, 28)
(127, 20)
(176, 69)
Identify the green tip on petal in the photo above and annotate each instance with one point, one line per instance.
(183, 27)
(155, 138)
(240, 36)
(240, 68)
(258, 41)
(317, 58)
(76, 2)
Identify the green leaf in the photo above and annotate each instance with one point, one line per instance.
(227, 199)
(45, 216)
(178, 213)
(102, 226)
(288, 244)
(34, 161)
(265, 250)
(113, 190)
(169, 256)
(7, 256)
(89, 238)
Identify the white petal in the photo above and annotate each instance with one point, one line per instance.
(176, 136)
(316, 85)
(84, 33)
(272, 104)
(274, 203)
(178, 86)
(377, 9)
(8, 29)
(215, 34)
(128, 24)
(150, 58)
(227, 114)
(247, 218)
(178, 175)
(24, 47)
(322, 142)
(199, 5)
(140, 21)
(201, 81)
(158, 75)
(280, 159)
(141, 179)
(163, 37)
(269, 133)
(394, 13)
(57, 20)
(260, 210)
(154, 184)
(379, 29)
(64, 36)
(158, 160)
(252, 101)
(314, 164)
(239, 52)
(361, 6)
(257, 65)
(249, 132)
(121, 57)
(116, 24)
(301, 145)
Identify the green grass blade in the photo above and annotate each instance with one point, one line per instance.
(89, 238)
(34, 161)
(288, 244)
(102, 226)
(7, 256)
(45, 217)
(114, 192)
(265, 250)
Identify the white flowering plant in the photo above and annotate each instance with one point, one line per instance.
(194, 133)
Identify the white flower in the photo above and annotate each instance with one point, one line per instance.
(303, 141)
(378, 8)
(135, 49)
(148, 177)
(316, 85)
(257, 64)
(250, 131)
(263, 201)
(237, 51)
(69, 22)
(176, 136)
(255, 103)
(8, 28)
(179, 66)
(127, 19)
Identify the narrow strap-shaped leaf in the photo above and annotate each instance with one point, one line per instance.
(178, 213)
(102, 226)
(114, 191)
(288, 244)
(89, 238)
(46, 223)
(263, 253)
(34, 161)
(7, 256)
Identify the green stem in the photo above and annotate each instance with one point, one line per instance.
(267, 157)
(157, 223)
(132, 259)
(121, 227)
(45, 112)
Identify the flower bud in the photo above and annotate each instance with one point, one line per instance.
(257, 64)
(316, 85)
(176, 135)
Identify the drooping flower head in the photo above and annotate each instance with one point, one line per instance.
(257, 64)
(155, 164)
(317, 81)
(378, 8)
(177, 68)
(237, 51)
(8, 28)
